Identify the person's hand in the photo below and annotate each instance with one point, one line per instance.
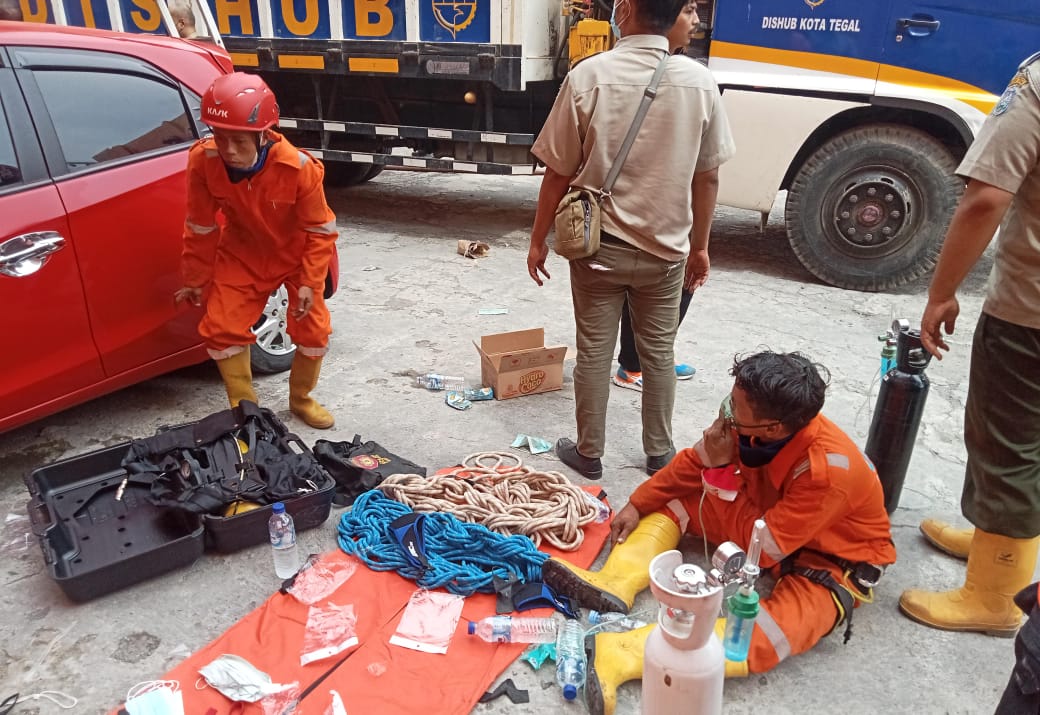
(624, 522)
(697, 268)
(187, 294)
(304, 301)
(536, 256)
(938, 313)
(719, 445)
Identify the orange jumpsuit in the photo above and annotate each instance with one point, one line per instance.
(276, 229)
(819, 493)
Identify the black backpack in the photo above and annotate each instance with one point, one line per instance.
(359, 466)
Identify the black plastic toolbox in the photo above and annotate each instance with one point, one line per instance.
(94, 544)
(226, 534)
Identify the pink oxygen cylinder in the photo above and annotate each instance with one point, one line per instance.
(683, 664)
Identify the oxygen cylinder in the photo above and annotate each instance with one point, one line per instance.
(897, 415)
(683, 662)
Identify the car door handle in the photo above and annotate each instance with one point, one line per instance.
(24, 255)
(917, 26)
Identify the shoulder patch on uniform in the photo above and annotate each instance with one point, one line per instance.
(1020, 80)
(304, 157)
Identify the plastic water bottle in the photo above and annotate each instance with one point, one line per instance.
(570, 658)
(436, 381)
(614, 622)
(506, 629)
(283, 542)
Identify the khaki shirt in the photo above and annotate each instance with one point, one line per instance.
(1006, 154)
(685, 131)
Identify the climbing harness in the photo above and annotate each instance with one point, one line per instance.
(496, 490)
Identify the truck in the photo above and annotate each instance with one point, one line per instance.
(859, 111)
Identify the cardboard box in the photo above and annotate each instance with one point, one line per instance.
(520, 363)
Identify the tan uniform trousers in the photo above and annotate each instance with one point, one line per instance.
(599, 286)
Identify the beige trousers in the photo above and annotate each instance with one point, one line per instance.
(599, 286)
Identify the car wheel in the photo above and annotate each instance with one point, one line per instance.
(869, 209)
(345, 173)
(274, 349)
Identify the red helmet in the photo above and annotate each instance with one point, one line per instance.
(239, 102)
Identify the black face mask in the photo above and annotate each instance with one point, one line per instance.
(758, 455)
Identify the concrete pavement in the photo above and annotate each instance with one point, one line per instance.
(409, 304)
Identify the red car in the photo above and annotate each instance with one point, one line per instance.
(95, 129)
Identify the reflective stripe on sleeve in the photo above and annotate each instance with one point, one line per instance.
(312, 352)
(200, 229)
(769, 545)
(680, 513)
(211, 152)
(327, 228)
(776, 637)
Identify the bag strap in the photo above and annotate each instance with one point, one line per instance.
(644, 106)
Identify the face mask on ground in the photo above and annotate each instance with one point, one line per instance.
(238, 679)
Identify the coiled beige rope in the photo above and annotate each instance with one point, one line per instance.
(496, 489)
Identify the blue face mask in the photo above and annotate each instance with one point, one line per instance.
(613, 23)
(761, 454)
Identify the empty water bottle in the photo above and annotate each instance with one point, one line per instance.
(506, 629)
(283, 542)
(570, 658)
(614, 622)
(436, 381)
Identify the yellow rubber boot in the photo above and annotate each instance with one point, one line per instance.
(948, 538)
(623, 576)
(238, 377)
(998, 568)
(614, 658)
(302, 379)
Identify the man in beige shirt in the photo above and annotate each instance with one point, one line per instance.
(659, 211)
(1001, 495)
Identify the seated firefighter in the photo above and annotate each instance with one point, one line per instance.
(770, 455)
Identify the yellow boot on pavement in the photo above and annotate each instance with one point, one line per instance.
(303, 378)
(238, 377)
(623, 576)
(614, 658)
(998, 568)
(948, 538)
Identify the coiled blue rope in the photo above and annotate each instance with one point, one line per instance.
(464, 558)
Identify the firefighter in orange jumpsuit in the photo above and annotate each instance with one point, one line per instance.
(770, 455)
(276, 229)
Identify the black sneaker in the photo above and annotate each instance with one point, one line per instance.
(655, 464)
(567, 451)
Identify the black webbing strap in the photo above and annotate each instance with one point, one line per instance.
(842, 595)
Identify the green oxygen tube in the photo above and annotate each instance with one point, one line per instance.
(743, 605)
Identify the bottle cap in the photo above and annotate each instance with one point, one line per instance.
(278, 508)
(743, 603)
(471, 628)
(569, 692)
(595, 617)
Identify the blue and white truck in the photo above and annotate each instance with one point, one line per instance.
(859, 110)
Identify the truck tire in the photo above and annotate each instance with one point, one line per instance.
(868, 210)
(346, 173)
(273, 350)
